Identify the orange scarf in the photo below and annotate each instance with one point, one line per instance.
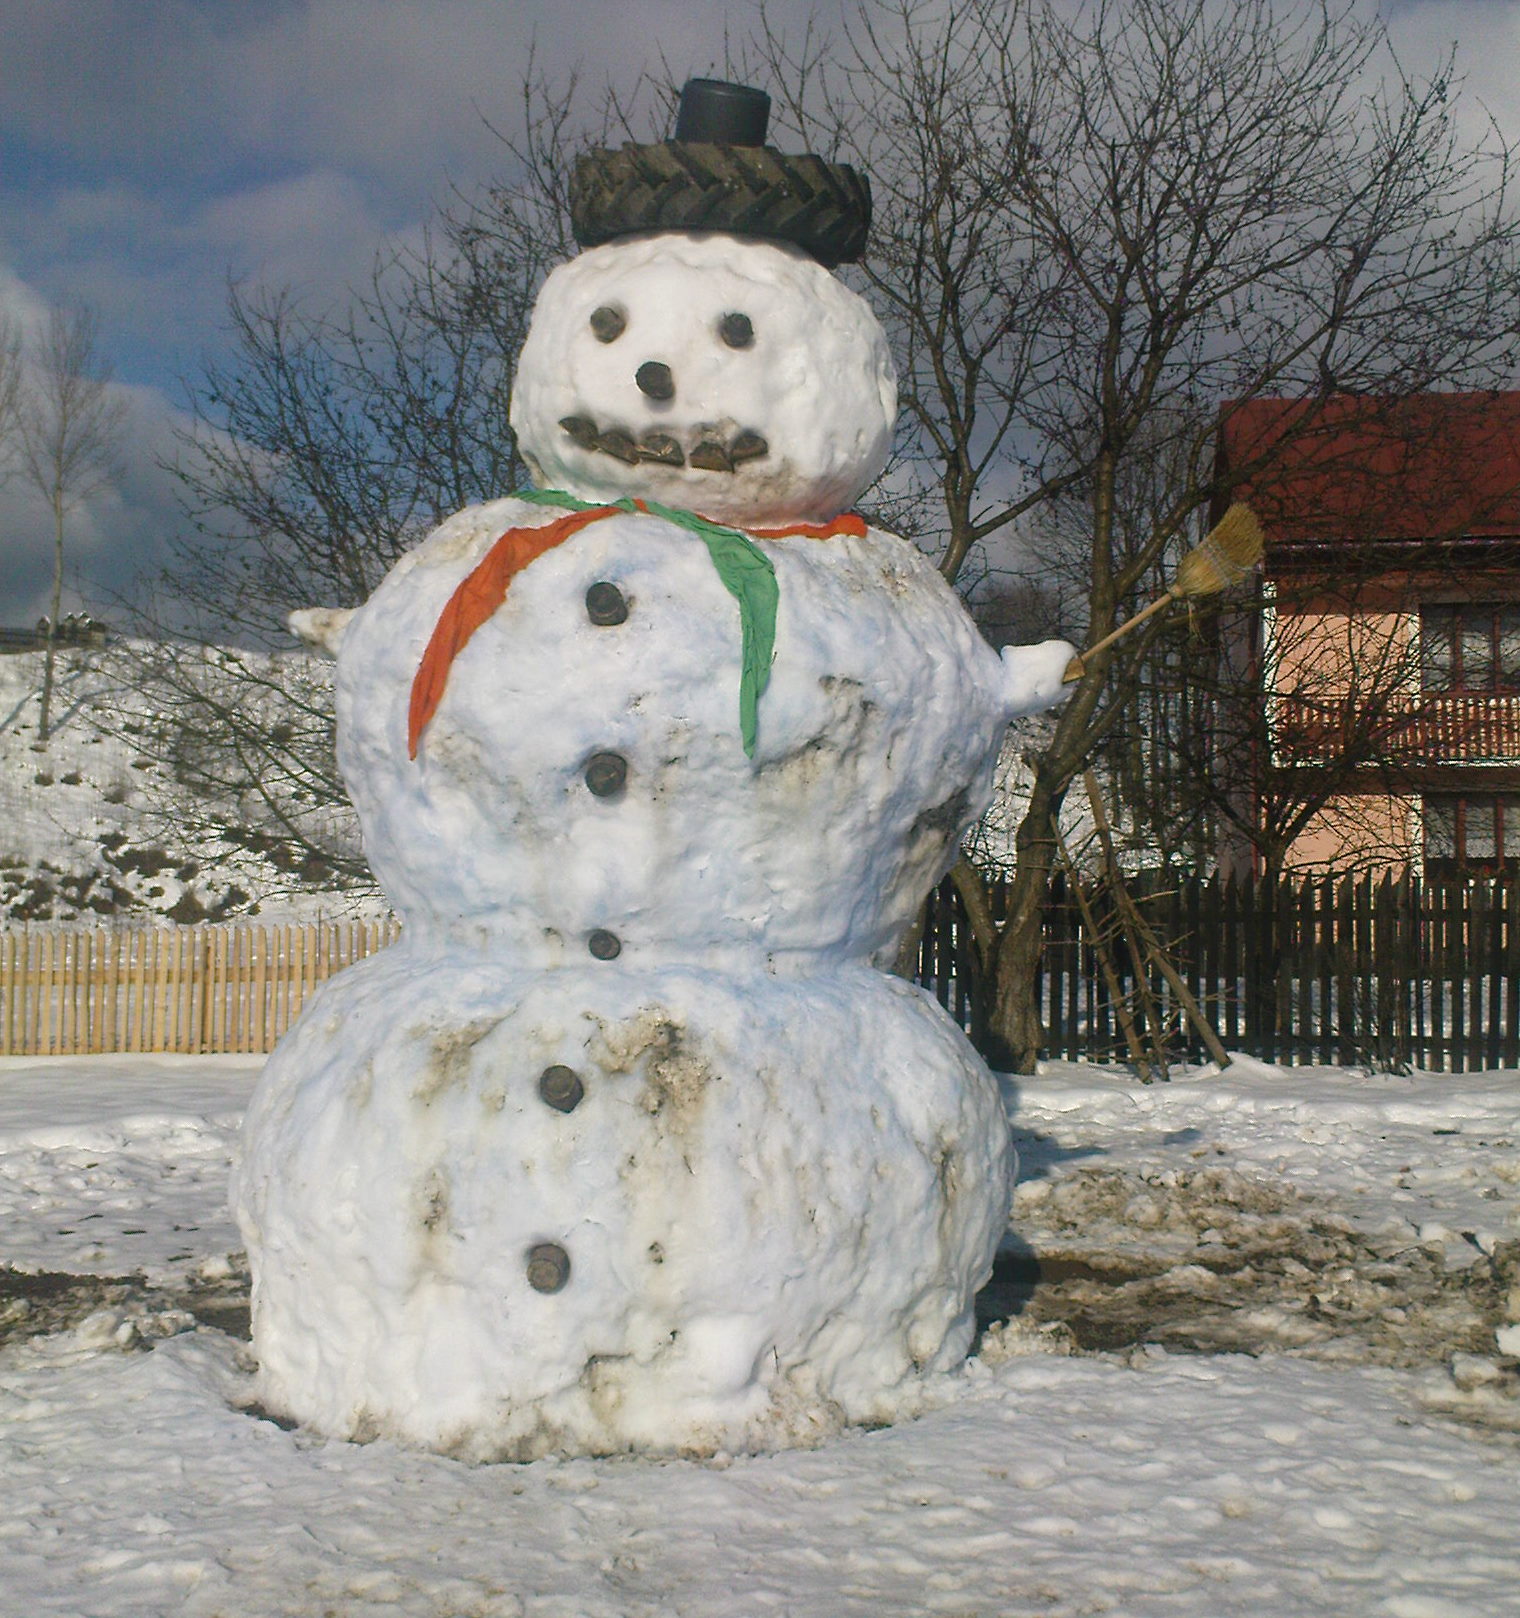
(484, 589)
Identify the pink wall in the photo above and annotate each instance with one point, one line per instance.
(1359, 832)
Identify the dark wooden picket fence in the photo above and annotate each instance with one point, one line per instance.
(1389, 972)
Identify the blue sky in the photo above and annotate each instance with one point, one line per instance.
(150, 149)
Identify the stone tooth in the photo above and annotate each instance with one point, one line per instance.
(710, 456)
(582, 429)
(748, 446)
(661, 447)
(619, 445)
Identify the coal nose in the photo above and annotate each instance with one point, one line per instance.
(655, 381)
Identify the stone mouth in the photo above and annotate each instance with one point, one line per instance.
(706, 450)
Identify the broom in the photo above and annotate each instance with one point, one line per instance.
(1230, 549)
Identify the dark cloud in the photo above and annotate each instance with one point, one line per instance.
(155, 146)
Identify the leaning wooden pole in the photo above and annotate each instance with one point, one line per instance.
(1116, 993)
(1194, 1012)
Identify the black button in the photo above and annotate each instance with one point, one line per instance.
(605, 604)
(561, 1087)
(604, 945)
(548, 1267)
(606, 774)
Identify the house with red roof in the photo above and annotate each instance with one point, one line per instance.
(1386, 645)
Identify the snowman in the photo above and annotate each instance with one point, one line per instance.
(631, 1143)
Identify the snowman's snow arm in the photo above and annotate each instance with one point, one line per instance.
(1033, 676)
(321, 628)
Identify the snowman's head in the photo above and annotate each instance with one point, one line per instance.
(733, 377)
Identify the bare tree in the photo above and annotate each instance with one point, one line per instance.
(333, 440)
(10, 394)
(326, 448)
(1100, 230)
(69, 429)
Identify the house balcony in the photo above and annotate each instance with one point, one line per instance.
(1432, 728)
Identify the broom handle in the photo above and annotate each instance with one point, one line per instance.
(1077, 667)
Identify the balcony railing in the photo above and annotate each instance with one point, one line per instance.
(1433, 727)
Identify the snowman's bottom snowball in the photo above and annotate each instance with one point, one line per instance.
(777, 1200)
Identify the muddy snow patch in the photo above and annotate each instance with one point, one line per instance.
(121, 1312)
(1209, 1260)
(1212, 1261)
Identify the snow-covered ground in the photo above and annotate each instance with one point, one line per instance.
(1354, 1239)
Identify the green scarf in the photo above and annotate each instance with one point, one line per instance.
(747, 574)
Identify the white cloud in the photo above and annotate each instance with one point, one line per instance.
(19, 303)
(314, 229)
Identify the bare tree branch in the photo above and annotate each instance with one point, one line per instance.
(327, 447)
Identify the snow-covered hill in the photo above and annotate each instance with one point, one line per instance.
(95, 823)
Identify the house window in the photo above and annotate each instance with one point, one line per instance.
(1471, 646)
(1476, 833)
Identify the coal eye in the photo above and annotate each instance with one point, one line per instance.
(608, 324)
(736, 330)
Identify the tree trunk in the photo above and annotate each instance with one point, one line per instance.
(51, 648)
(1015, 1033)
(976, 901)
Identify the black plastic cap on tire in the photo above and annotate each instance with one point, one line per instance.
(736, 187)
(723, 114)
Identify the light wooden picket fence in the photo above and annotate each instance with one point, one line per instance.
(217, 987)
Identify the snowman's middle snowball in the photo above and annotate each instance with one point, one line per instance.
(877, 735)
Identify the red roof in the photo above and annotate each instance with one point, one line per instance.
(1433, 466)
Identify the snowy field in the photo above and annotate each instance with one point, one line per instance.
(1269, 1369)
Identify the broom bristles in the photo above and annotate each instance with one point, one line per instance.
(1230, 549)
